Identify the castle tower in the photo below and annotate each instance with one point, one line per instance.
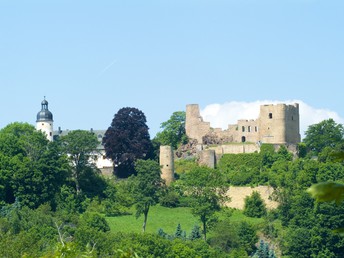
(195, 127)
(167, 164)
(45, 121)
(279, 124)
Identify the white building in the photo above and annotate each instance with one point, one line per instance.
(44, 123)
(45, 120)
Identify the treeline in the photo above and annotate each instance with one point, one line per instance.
(301, 226)
(54, 202)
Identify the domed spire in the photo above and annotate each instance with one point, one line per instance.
(44, 115)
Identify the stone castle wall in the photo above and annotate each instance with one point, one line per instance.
(207, 158)
(195, 127)
(276, 124)
(238, 194)
(235, 148)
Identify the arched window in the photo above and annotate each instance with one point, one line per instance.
(243, 128)
(243, 139)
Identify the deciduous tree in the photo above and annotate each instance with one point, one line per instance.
(147, 185)
(32, 169)
(327, 133)
(126, 140)
(207, 191)
(173, 132)
(81, 147)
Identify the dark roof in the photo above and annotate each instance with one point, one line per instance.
(44, 115)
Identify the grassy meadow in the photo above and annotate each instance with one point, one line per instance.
(167, 219)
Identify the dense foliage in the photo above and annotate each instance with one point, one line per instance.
(324, 134)
(254, 206)
(173, 132)
(126, 140)
(32, 169)
(147, 185)
(207, 193)
(43, 214)
(81, 147)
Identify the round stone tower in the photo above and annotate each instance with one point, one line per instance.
(167, 164)
(45, 120)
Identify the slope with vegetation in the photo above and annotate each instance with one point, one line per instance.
(54, 203)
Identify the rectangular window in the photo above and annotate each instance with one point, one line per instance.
(249, 129)
(270, 115)
(243, 128)
(256, 128)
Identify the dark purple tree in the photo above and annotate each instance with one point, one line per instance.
(126, 140)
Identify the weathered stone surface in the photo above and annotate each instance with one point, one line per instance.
(167, 164)
(276, 124)
(238, 194)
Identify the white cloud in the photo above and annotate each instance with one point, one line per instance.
(220, 115)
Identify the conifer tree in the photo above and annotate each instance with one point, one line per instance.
(179, 231)
(254, 206)
(161, 233)
(195, 233)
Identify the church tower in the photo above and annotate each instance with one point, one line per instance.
(45, 121)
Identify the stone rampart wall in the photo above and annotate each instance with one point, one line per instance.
(238, 194)
(235, 148)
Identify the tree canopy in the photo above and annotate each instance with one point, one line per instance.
(173, 132)
(327, 133)
(81, 147)
(126, 140)
(146, 188)
(254, 205)
(32, 169)
(207, 191)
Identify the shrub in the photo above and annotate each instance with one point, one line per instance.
(170, 199)
(254, 206)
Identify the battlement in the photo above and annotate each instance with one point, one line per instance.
(276, 124)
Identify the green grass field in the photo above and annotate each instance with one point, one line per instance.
(158, 217)
(167, 219)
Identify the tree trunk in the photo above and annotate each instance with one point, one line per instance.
(77, 185)
(145, 213)
(76, 175)
(205, 230)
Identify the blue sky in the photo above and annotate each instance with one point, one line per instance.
(91, 58)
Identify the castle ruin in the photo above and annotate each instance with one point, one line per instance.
(276, 124)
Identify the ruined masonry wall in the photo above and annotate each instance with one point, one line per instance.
(194, 126)
(207, 158)
(276, 124)
(238, 194)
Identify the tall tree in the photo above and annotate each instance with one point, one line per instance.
(32, 169)
(173, 132)
(126, 140)
(327, 133)
(81, 147)
(207, 191)
(147, 185)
